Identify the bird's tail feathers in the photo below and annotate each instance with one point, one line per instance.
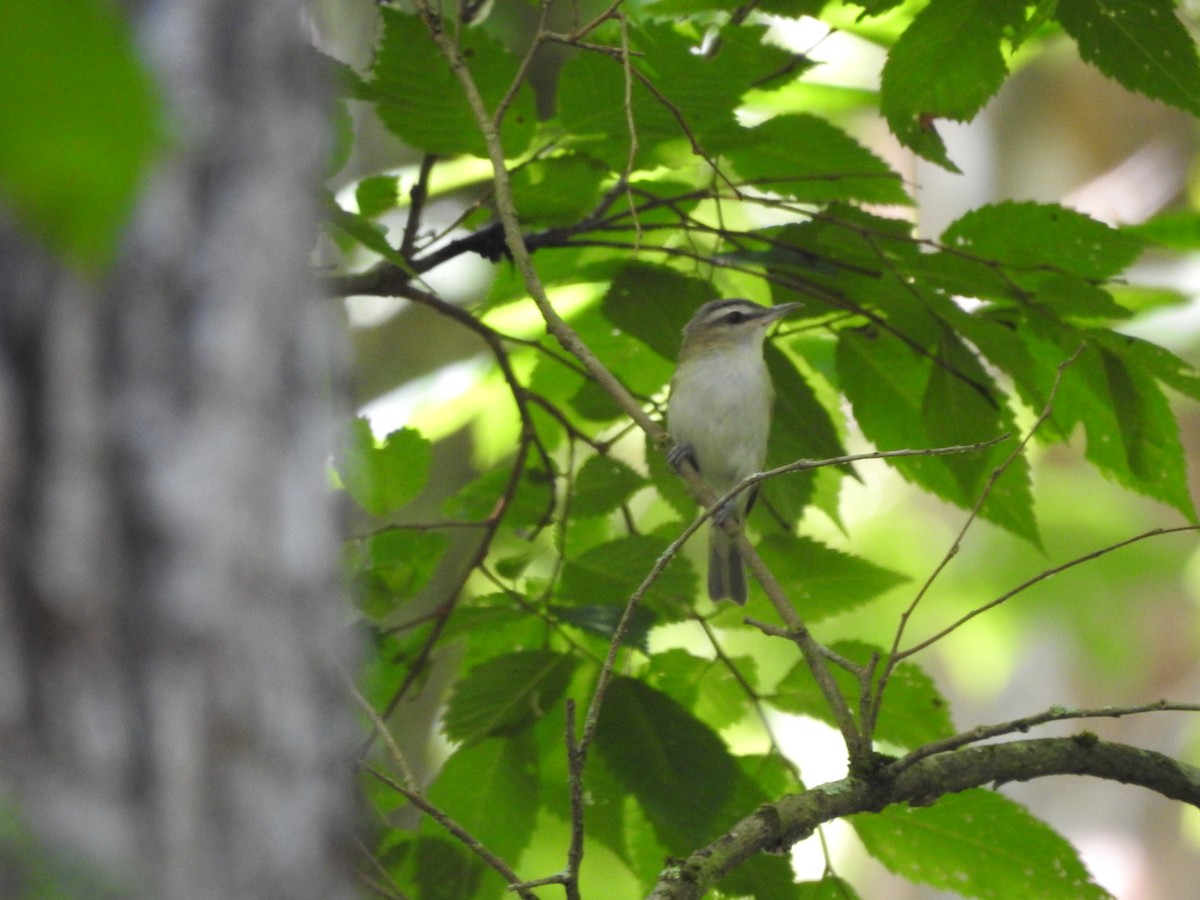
(726, 576)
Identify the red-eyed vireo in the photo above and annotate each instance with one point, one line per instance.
(719, 415)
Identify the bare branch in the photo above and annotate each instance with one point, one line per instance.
(777, 826)
(1040, 577)
(973, 515)
(419, 194)
(1022, 725)
(421, 802)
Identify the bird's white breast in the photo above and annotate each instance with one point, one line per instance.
(721, 405)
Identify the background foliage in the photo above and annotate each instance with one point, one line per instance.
(682, 150)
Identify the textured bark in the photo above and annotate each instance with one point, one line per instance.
(777, 826)
(171, 713)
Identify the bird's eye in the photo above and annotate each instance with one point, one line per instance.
(735, 318)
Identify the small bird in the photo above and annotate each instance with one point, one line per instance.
(719, 415)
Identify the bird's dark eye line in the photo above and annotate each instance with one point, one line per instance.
(735, 318)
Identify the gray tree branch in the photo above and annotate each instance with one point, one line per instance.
(778, 825)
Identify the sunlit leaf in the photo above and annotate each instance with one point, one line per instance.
(609, 574)
(491, 789)
(528, 506)
(913, 711)
(962, 406)
(421, 100)
(376, 194)
(1034, 237)
(383, 477)
(506, 694)
(1140, 43)
(602, 484)
(709, 687)
(977, 844)
(833, 165)
(80, 120)
(946, 65)
(822, 581)
(831, 887)
(558, 190)
(398, 565)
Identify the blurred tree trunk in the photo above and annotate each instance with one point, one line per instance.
(172, 719)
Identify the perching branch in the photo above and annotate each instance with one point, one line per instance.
(777, 826)
(1022, 725)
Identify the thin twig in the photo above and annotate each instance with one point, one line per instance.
(1040, 577)
(386, 888)
(406, 772)
(631, 125)
(539, 37)
(421, 802)
(973, 515)
(418, 194)
(1023, 724)
(956, 544)
(575, 763)
(528, 438)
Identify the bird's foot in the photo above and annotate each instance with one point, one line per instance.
(725, 513)
(680, 453)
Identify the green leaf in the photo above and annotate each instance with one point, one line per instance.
(603, 621)
(978, 844)
(642, 372)
(668, 483)
(833, 165)
(702, 90)
(486, 614)
(1177, 229)
(653, 303)
(529, 506)
(446, 870)
(707, 687)
(506, 694)
(1140, 43)
(80, 121)
(602, 485)
(913, 711)
(609, 574)
(421, 101)
(1036, 237)
(491, 790)
(398, 565)
(557, 191)
(1143, 450)
(822, 581)
(1070, 295)
(382, 478)
(946, 65)
(905, 401)
(676, 766)
(1156, 361)
(370, 234)
(801, 428)
(762, 877)
(828, 888)
(956, 412)
(376, 194)
(490, 632)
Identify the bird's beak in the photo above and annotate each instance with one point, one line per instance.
(778, 312)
